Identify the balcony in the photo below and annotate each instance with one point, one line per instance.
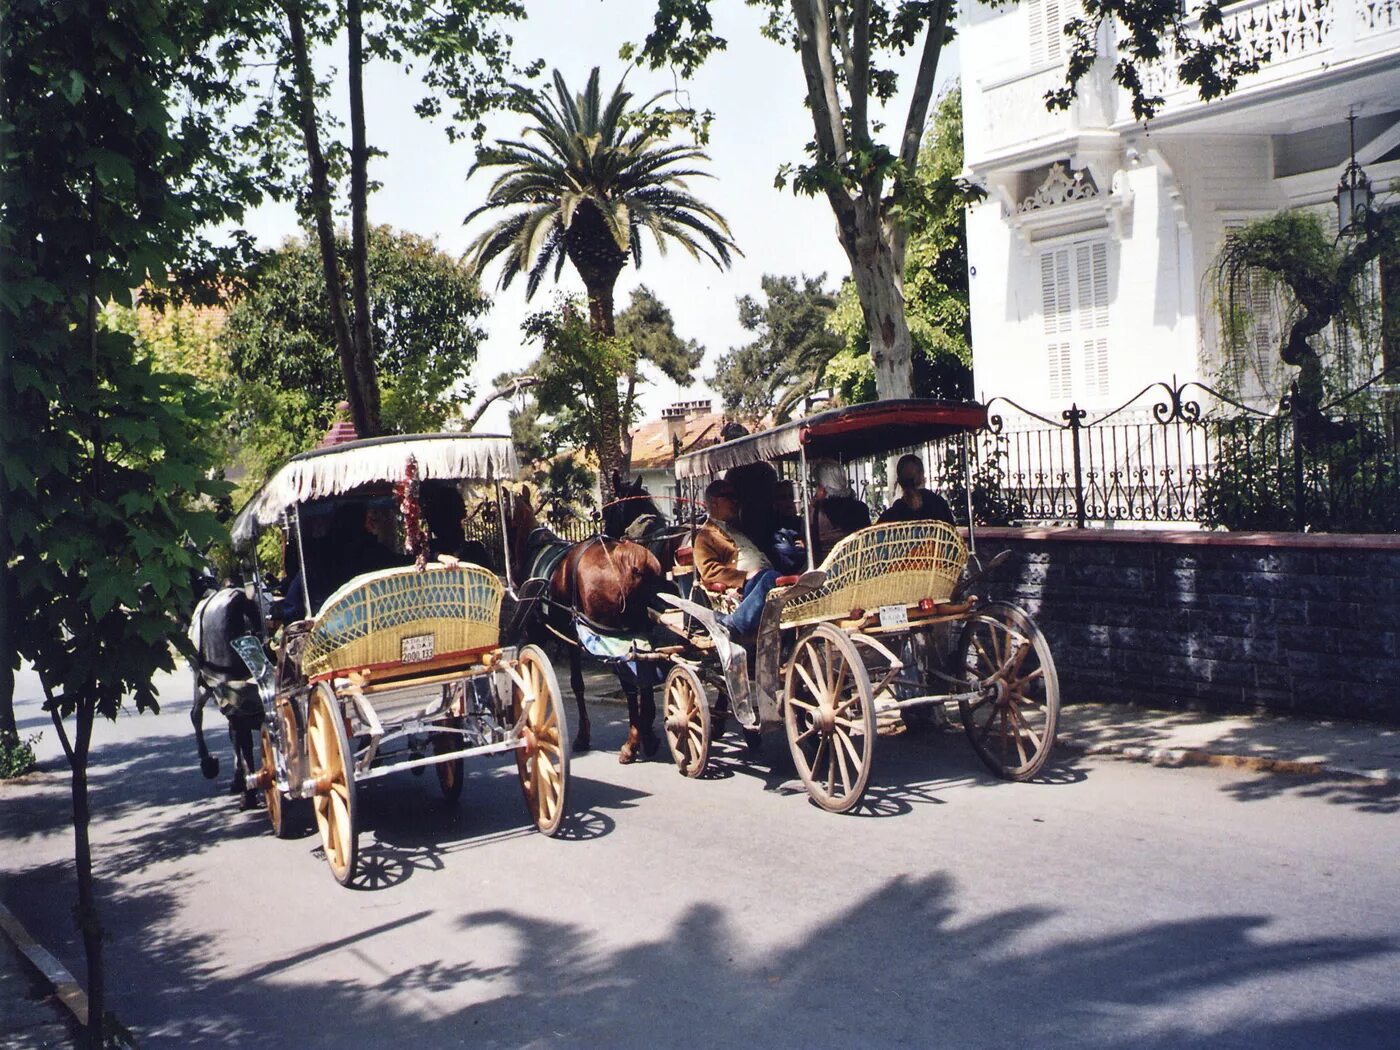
(1296, 40)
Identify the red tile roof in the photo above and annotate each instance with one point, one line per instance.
(651, 442)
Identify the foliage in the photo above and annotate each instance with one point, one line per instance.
(121, 143)
(1263, 479)
(648, 326)
(935, 277)
(787, 358)
(17, 755)
(423, 304)
(566, 486)
(1332, 316)
(597, 175)
(600, 173)
(578, 371)
(992, 502)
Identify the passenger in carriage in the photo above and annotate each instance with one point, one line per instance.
(917, 503)
(727, 559)
(444, 511)
(835, 511)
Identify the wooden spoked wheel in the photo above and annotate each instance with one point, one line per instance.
(830, 718)
(451, 772)
(686, 713)
(273, 801)
(1012, 723)
(334, 780)
(543, 757)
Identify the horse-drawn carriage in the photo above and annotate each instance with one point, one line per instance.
(398, 668)
(887, 623)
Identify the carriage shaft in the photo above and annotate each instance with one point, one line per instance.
(432, 760)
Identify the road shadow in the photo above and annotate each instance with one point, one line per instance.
(893, 966)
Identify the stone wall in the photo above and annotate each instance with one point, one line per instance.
(1306, 624)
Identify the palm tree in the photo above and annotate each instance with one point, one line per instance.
(592, 178)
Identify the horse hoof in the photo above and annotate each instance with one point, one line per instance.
(237, 785)
(250, 801)
(582, 744)
(627, 753)
(650, 742)
(209, 766)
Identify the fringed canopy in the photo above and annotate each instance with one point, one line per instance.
(324, 473)
(873, 428)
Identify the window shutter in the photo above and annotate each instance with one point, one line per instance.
(1095, 367)
(1053, 30)
(1036, 17)
(1061, 374)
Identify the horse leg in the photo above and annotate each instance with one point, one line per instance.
(647, 715)
(239, 783)
(628, 752)
(243, 755)
(208, 764)
(583, 739)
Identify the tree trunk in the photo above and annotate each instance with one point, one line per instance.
(878, 273)
(89, 923)
(366, 424)
(359, 226)
(608, 409)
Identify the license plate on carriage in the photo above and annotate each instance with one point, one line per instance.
(893, 615)
(416, 648)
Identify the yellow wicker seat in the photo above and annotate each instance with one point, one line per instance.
(897, 564)
(402, 616)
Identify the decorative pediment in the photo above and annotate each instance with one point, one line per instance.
(1061, 186)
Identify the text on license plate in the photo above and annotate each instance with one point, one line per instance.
(893, 615)
(416, 648)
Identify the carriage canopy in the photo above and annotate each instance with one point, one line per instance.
(842, 433)
(325, 473)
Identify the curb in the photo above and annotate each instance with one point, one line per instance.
(65, 986)
(1166, 756)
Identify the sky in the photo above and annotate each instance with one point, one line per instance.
(755, 90)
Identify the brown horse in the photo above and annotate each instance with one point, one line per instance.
(606, 584)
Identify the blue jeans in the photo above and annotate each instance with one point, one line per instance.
(744, 620)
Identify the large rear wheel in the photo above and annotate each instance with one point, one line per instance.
(334, 779)
(1012, 723)
(686, 714)
(543, 757)
(829, 714)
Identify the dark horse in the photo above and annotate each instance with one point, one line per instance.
(635, 516)
(602, 584)
(219, 675)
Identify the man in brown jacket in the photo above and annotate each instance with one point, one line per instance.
(726, 558)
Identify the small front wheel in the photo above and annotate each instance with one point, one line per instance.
(451, 772)
(543, 758)
(829, 714)
(686, 713)
(1012, 723)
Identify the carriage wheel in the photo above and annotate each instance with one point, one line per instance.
(273, 801)
(1012, 724)
(450, 773)
(830, 718)
(544, 760)
(686, 714)
(334, 799)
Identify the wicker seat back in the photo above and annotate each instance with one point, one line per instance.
(895, 564)
(366, 622)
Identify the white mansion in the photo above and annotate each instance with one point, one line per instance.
(1090, 254)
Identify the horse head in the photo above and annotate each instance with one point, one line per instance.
(631, 503)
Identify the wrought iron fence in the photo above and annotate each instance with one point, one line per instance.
(1184, 454)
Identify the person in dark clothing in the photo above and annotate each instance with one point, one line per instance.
(836, 513)
(917, 503)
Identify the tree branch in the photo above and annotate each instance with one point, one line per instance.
(923, 88)
(507, 390)
(814, 44)
(57, 721)
(858, 68)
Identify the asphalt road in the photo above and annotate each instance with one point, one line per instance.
(1114, 904)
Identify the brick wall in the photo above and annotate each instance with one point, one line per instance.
(1226, 621)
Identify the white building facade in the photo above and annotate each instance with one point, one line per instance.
(1090, 256)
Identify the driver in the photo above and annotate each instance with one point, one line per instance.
(727, 559)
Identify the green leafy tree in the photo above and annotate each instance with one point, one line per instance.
(566, 488)
(846, 49)
(793, 342)
(650, 330)
(463, 55)
(121, 142)
(935, 277)
(593, 176)
(424, 339)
